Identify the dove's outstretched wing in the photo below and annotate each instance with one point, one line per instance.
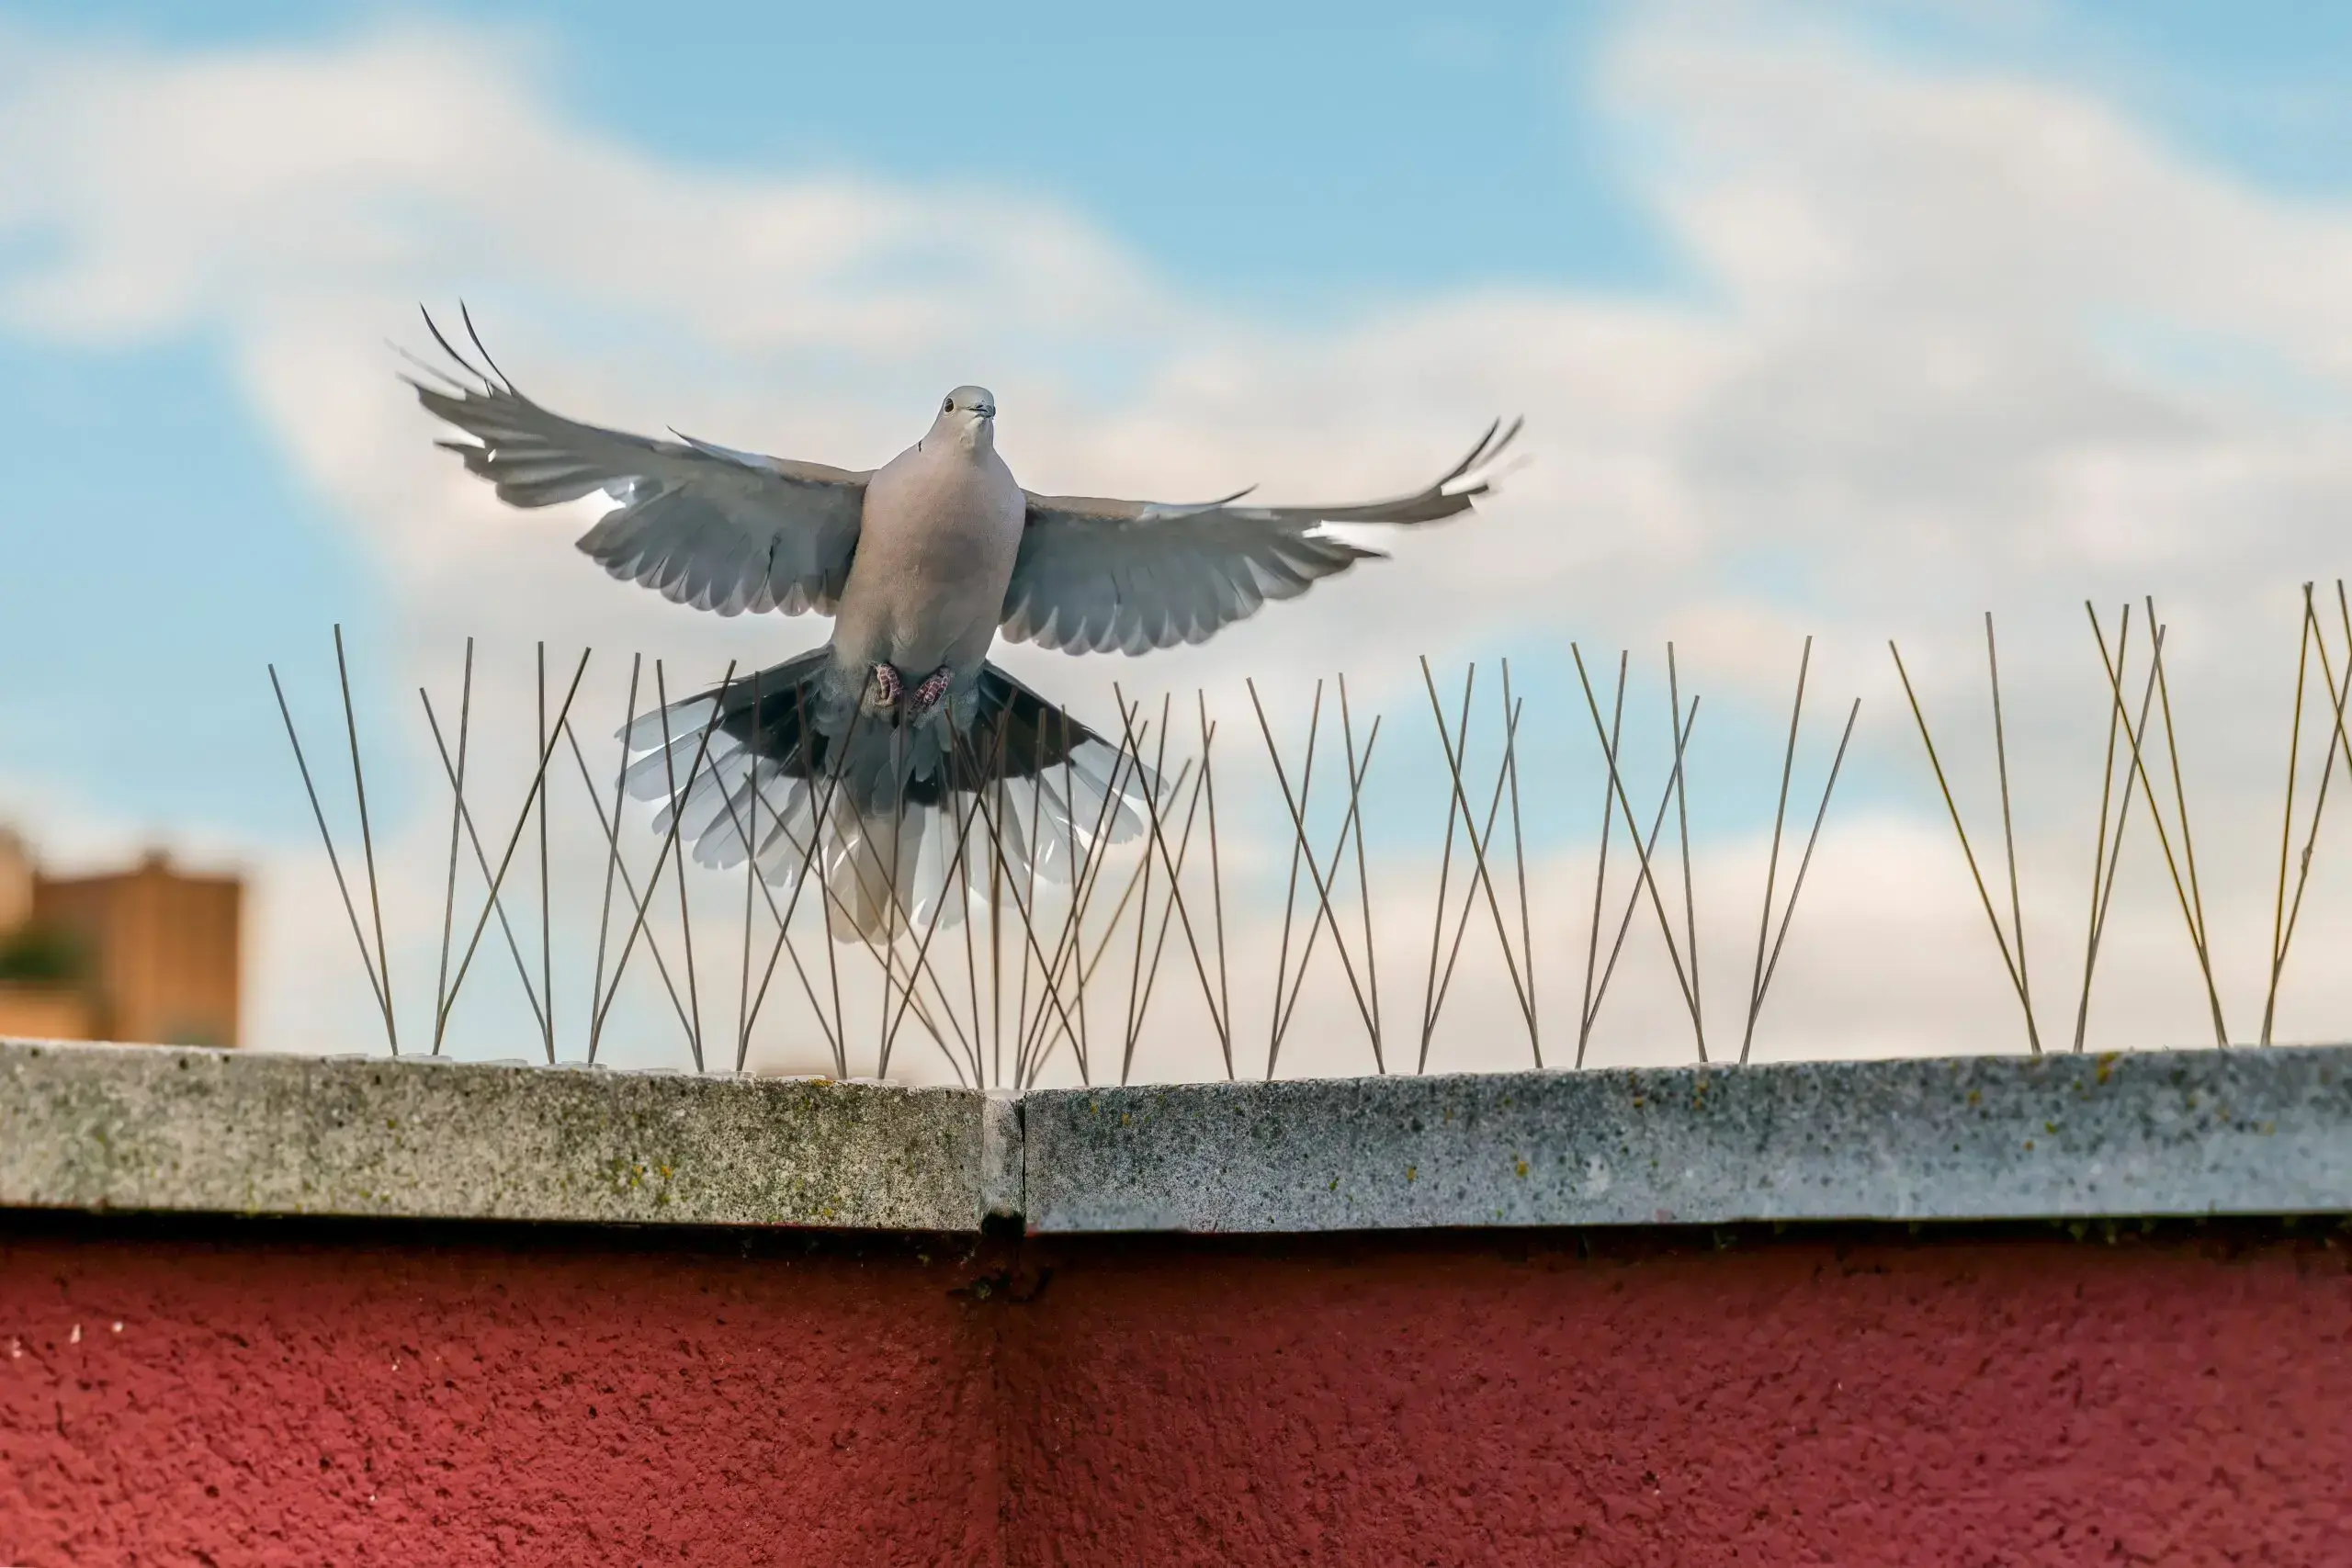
(1096, 575)
(709, 527)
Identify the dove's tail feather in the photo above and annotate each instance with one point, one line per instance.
(904, 826)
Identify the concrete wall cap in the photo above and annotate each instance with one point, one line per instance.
(157, 1128)
(2243, 1132)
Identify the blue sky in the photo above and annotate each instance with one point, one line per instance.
(1806, 342)
(1295, 156)
(1284, 154)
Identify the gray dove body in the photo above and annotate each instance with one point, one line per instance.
(894, 760)
(937, 538)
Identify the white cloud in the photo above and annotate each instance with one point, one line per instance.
(1953, 340)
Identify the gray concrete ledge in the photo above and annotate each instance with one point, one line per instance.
(2247, 1132)
(150, 1128)
(1981, 1138)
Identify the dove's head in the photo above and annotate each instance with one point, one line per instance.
(967, 415)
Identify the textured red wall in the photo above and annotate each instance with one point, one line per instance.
(302, 1397)
(309, 1395)
(1462, 1400)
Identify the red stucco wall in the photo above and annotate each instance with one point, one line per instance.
(305, 1399)
(309, 1395)
(1474, 1401)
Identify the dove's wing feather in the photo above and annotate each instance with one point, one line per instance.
(705, 525)
(1095, 575)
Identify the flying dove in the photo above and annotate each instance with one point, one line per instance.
(846, 755)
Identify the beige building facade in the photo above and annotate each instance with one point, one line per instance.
(151, 954)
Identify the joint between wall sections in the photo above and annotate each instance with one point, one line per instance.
(1003, 1158)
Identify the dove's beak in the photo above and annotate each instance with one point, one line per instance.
(986, 410)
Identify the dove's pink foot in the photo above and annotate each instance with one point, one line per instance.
(890, 688)
(928, 695)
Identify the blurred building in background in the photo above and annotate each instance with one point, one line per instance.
(148, 954)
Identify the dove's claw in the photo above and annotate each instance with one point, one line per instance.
(927, 695)
(892, 694)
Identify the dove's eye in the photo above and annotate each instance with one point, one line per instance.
(947, 405)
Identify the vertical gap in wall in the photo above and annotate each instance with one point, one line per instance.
(999, 1255)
